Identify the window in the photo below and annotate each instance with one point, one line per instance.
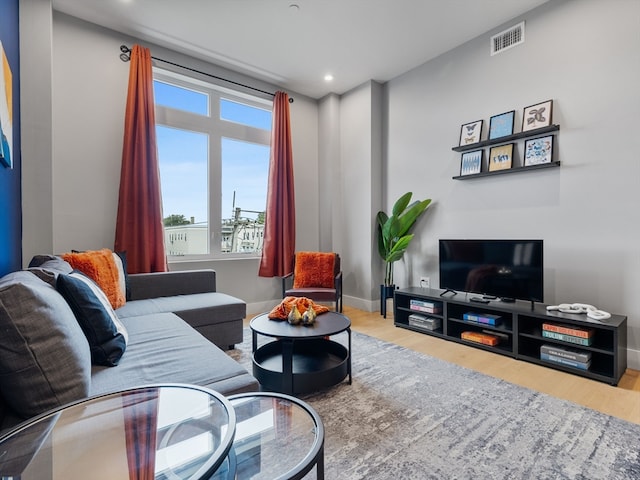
(213, 151)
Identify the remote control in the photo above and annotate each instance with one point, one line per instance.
(479, 300)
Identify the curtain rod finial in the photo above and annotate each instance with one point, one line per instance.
(125, 56)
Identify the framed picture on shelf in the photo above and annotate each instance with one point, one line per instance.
(537, 116)
(501, 125)
(471, 162)
(538, 151)
(501, 158)
(470, 133)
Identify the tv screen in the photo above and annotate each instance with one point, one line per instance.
(508, 269)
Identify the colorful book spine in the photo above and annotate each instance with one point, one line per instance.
(487, 319)
(565, 361)
(574, 332)
(568, 353)
(425, 304)
(482, 338)
(567, 338)
(420, 308)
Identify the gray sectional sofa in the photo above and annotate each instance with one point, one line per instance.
(176, 323)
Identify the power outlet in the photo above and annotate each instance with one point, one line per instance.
(425, 282)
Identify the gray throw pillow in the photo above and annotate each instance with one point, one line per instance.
(44, 356)
(49, 270)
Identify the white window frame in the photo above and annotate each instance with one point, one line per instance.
(216, 129)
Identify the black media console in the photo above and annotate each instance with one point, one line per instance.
(578, 344)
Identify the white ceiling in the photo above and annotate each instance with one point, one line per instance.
(295, 43)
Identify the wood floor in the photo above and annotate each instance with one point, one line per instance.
(622, 401)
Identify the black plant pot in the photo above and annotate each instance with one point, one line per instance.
(386, 291)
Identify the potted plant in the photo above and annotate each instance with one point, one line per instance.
(394, 237)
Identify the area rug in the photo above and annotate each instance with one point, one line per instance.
(411, 416)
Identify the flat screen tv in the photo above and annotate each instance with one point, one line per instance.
(506, 269)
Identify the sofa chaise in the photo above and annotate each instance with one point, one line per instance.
(173, 328)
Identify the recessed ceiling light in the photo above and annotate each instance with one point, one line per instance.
(328, 77)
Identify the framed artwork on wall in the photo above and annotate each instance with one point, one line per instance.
(471, 162)
(470, 133)
(6, 116)
(501, 157)
(501, 125)
(538, 151)
(537, 116)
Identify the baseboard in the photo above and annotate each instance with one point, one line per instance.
(256, 308)
(633, 359)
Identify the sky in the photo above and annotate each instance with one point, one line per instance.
(183, 158)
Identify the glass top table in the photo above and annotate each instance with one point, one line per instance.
(163, 432)
(277, 437)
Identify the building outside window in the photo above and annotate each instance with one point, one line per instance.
(213, 152)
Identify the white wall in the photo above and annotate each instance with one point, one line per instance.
(36, 135)
(361, 183)
(586, 211)
(88, 91)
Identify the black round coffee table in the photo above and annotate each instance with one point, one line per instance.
(301, 359)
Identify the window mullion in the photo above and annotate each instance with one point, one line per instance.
(215, 175)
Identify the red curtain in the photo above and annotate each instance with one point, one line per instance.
(141, 432)
(280, 219)
(139, 229)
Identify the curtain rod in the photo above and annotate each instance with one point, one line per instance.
(125, 56)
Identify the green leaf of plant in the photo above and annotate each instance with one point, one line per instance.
(408, 219)
(393, 231)
(390, 231)
(402, 243)
(401, 204)
(381, 248)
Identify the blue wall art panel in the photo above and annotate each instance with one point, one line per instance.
(10, 162)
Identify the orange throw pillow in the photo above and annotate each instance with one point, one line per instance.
(281, 311)
(100, 266)
(314, 269)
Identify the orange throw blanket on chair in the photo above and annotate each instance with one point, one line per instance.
(281, 311)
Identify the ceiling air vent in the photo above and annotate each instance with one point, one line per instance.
(507, 39)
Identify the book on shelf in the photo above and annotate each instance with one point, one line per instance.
(502, 337)
(420, 308)
(424, 306)
(566, 352)
(421, 321)
(567, 338)
(565, 361)
(486, 318)
(424, 326)
(573, 331)
(483, 338)
(424, 303)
